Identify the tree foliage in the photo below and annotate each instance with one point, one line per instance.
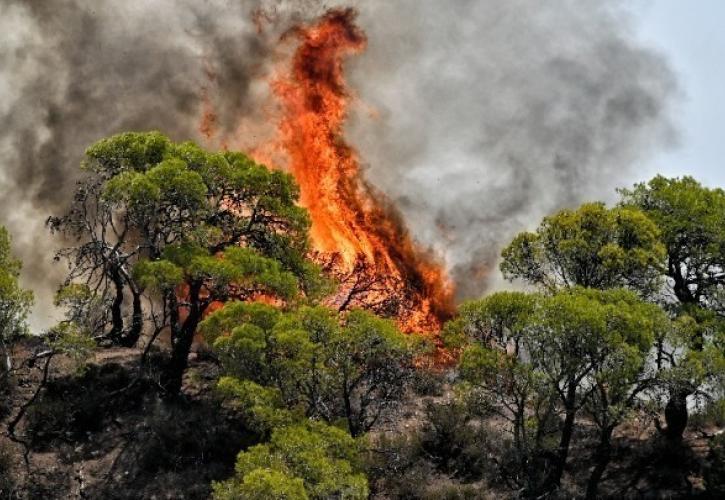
(554, 356)
(310, 460)
(691, 220)
(15, 302)
(307, 362)
(592, 247)
(185, 228)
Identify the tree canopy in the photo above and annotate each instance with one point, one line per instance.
(690, 218)
(578, 348)
(306, 361)
(592, 246)
(302, 461)
(15, 302)
(184, 228)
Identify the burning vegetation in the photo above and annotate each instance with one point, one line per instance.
(356, 234)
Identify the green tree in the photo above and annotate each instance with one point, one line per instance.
(15, 302)
(182, 227)
(691, 220)
(499, 379)
(309, 460)
(624, 372)
(592, 247)
(204, 279)
(553, 356)
(355, 371)
(106, 242)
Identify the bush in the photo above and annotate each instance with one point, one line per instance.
(455, 443)
(396, 466)
(322, 458)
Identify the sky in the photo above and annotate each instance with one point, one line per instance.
(691, 35)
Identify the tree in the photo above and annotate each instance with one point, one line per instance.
(500, 381)
(592, 247)
(15, 302)
(203, 279)
(184, 228)
(625, 372)
(308, 460)
(107, 244)
(356, 371)
(691, 220)
(557, 354)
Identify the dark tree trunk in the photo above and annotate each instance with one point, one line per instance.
(601, 459)
(351, 422)
(554, 479)
(134, 334)
(182, 342)
(116, 309)
(676, 415)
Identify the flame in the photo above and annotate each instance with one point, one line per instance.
(356, 234)
(355, 231)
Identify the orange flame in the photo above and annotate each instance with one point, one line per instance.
(356, 233)
(354, 229)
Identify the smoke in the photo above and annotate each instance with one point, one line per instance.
(480, 116)
(493, 114)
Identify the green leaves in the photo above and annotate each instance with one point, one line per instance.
(128, 151)
(160, 276)
(15, 302)
(691, 219)
(352, 371)
(591, 247)
(575, 348)
(262, 484)
(320, 458)
(499, 317)
(241, 268)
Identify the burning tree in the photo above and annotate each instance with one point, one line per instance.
(356, 234)
(184, 228)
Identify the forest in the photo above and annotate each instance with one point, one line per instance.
(197, 356)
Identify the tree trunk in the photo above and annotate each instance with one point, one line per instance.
(676, 415)
(116, 309)
(602, 457)
(134, 334)
(554, 480)
(182, 343)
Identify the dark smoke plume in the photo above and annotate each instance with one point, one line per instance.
(487, 114)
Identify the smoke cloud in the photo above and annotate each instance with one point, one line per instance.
(493, 114)
(479, 116)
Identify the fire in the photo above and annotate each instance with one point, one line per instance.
(355, 231)
(356, 234)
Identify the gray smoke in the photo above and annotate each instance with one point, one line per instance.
(493, 114)
(487, 114)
